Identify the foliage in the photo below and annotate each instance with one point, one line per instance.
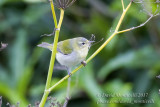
(129, 64)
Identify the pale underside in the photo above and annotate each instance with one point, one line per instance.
(70, 60)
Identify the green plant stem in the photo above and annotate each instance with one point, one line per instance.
(61, 19)
(132, 28)
(54, 50)
(53, 13)
(122, 4)
(98, 50)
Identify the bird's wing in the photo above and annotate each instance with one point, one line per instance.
(65, 47)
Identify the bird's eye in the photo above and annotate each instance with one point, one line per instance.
(83, 43)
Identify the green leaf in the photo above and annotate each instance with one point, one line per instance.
(12, 95)
(3, 75)
(18, 55)
(34, 12)
(116, 90)
(89, 84)
(25, 78)
(142, 58)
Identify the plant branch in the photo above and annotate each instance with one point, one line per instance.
(122, 16)
(64, 78)
(97, 51)
(53, 13)
(61, 19)
(126, 30)
(54, 50)
(122, 5)
(149, 13)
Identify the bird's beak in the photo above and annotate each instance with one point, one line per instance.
(90, 43)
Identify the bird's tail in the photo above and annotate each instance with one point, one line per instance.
(46, 45)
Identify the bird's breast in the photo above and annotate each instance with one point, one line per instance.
(73, 59)
(83, 53)
(69, 60)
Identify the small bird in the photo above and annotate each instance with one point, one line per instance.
(70, 52)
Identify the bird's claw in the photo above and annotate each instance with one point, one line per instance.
(69, 74)
(84, 63)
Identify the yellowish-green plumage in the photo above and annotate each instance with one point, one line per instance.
(65, 46)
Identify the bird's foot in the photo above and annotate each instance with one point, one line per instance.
(69, 74)
(84, 63)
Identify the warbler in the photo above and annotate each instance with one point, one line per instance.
(70, 52)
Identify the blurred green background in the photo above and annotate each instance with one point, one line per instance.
(128, 65)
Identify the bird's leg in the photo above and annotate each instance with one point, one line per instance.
(69, 72)
(68, 89)
(84, 63)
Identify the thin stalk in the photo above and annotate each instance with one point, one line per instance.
(122, 17)
(132, 28)
(122, 4)
(111, 37)
(64, 78)
(54, 50)
(61, 18)
(98, 50)
(53, 13)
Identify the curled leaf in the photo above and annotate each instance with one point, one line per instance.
(3, 46)
(158, 76)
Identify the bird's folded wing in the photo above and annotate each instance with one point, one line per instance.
(65, 47)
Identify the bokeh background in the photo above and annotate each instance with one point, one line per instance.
(128, 65)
